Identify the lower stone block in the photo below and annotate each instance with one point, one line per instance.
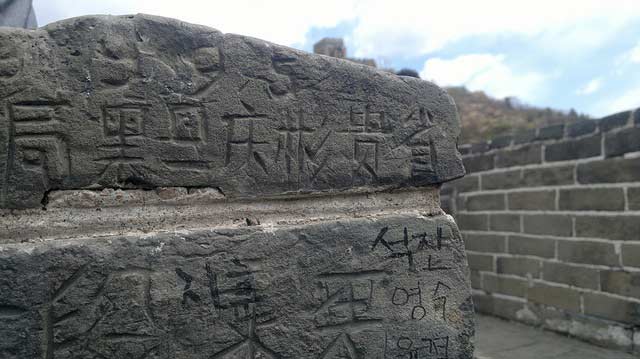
(390, 287)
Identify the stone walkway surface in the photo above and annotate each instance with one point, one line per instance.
(500, 339)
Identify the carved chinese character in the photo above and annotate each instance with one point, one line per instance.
(301, 151)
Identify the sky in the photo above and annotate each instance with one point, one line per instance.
(580, 54)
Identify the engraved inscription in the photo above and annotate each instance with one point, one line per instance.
(366, 154)
(368, 122)
(187, 123)
(36, 143)
(347, 307)
(243, 150)
(410, 245)
(412, 346)
(236, 304)
(301, 152)
(413, 298)
(118, 154)
(368, 130)
(113, 321)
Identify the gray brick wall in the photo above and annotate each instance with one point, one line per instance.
(551, 221)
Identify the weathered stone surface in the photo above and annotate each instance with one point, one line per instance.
(144, 102)
(391, 287)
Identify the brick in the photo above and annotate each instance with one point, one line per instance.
(479, 147)
(588, 252)
(520, 266)
(464, 149)
(532, 246)
(461, 203)
(610, 122)
(504, 222)
(446, 203)
(552, 132)
(522, 156)
(611, 308)
(548, 176)
(516, 287)
(550, 224)
(620, 142)
(612, 170)
(631, 255)
(467, 184)
(620, 282)
(621, 228)
(581, 128)
(447, 189)
(591, 199)
(478, 163)
(501, 142)
(532, 200)
(555, 296)
(485, 242)
(525, 136)
(573, 149)
(480, 262)
(486, 202)
(633, 197)
(476, 282)
(502, 180)
(473, 222)
(500, 307)
(578, 276)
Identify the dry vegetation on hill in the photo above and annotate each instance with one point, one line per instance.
(484, 117)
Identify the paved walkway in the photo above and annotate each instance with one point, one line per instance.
(499, 339)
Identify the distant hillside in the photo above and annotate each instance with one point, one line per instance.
(484, 117)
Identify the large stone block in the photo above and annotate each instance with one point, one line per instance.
(142, 101)
(356, 288)
(215, 196)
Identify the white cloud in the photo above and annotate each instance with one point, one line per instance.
(384, 28)
(630, 57)
(283, 21)
(634, 54)
(393, 28)
(590, 87)
(486, 72)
